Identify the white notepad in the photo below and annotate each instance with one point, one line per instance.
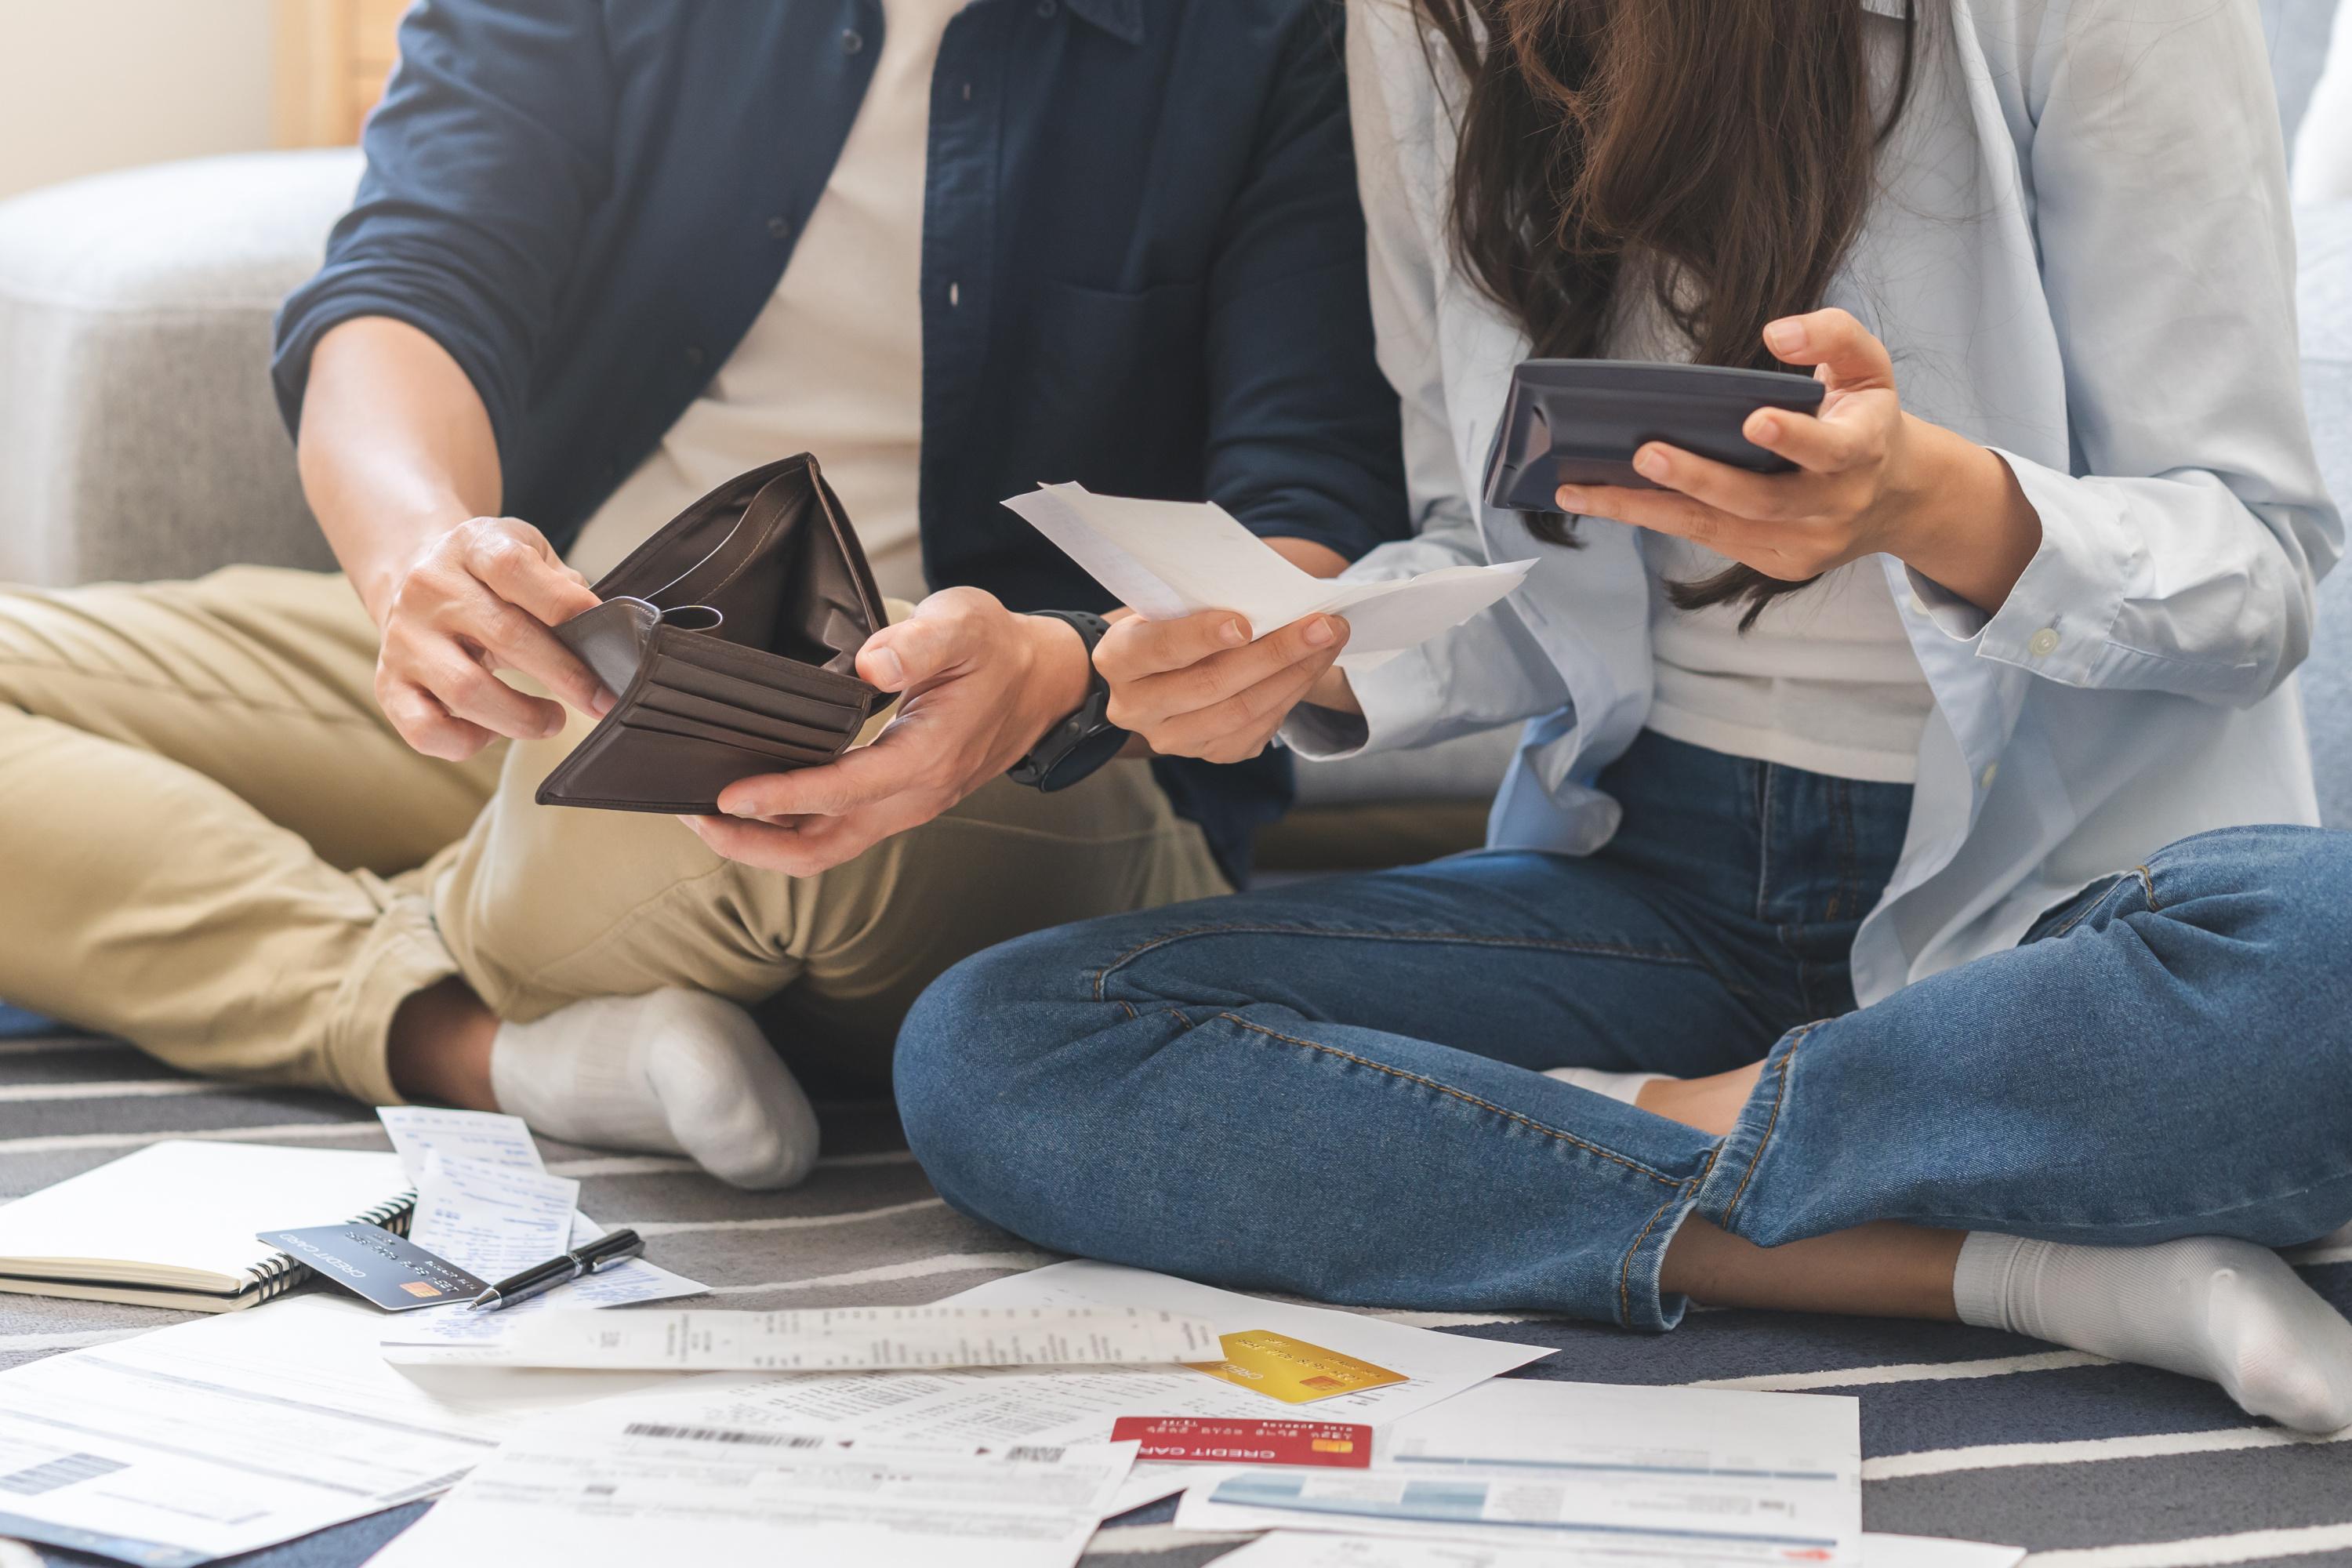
(172, 1224)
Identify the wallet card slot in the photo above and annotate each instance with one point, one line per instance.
(733, 716)
(796, 702)
(768, 669)
(720, 735)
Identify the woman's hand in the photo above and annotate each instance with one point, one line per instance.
(1199, 688)
(480, 599)
(1871, 480)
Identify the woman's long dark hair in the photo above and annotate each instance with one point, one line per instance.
(1721, 153)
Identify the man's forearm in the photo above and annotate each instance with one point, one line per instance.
(397, 449)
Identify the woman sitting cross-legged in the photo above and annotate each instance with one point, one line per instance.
(1885, 914)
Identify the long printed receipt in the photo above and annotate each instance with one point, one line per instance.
(853, 1338)
(1170, 559)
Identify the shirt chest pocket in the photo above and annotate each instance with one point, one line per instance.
(1118, 386)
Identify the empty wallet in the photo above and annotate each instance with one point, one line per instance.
(731, 640)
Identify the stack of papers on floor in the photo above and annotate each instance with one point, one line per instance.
(994, 1430)
(211, 1438)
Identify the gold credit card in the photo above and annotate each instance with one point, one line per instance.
(1292, 1370)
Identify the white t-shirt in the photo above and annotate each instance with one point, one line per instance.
(1827, 682)
(833, 364)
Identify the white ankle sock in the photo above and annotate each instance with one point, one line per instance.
(2228, 1311)
(1622, 1086)
(675, 1072)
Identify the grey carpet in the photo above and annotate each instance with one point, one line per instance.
(1966, 1433)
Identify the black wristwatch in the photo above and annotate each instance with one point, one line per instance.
(1076, 747)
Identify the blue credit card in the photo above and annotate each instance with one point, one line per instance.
(390, 1270)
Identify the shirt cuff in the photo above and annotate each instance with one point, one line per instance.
(1401, 699)
(2060, 615)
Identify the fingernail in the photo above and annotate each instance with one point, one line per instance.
(1318, 632)
(602, 703)
(1571, 497)
(888, 673)
(1764, 428)
(1650, 463)
(1233, 633)
(1785, 338)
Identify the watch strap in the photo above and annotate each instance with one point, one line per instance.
(1075, 748)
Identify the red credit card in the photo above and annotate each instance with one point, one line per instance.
(1195, 1439)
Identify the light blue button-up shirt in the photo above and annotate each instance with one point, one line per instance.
(2083, 258)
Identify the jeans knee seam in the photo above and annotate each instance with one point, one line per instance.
(1547, 944)
(1525, 1121)
(2079, 916)
(1764, 1141)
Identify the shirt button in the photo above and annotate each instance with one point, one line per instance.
(692, 355)
(1046, 8)
(852, 40)
(2043, 643)
(1991, 772)
(779, 228)
(967, 92)
(955, 295)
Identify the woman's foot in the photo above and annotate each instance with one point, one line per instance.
(674, 1072)
(2229, 1311)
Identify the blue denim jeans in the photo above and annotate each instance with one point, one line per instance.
(1335, 1088)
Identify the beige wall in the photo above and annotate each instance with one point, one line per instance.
(88, 85)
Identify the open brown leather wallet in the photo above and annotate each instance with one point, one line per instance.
(730, 639)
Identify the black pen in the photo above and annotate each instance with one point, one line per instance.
(560, 1271)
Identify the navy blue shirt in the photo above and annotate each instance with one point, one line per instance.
(1142, 268)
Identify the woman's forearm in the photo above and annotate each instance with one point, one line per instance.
(395, 451)
(1969, 525)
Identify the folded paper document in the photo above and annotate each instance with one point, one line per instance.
(1035, 1404)
(1292, 1549)
(838, 1339)
(605, 1490)
(229, 1433)
(1169, 559)
(1658, 1475)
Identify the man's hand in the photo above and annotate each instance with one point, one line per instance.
(478, 599)
(1199, 688)
(981, 687)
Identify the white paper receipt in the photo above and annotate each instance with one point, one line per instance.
(849, 1339)
(416, 1131)
(1169, 559)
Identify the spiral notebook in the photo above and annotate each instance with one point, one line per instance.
(172, 1224)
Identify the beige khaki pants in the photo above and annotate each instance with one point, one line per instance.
(213, 844)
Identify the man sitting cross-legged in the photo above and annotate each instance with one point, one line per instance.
(278, 825)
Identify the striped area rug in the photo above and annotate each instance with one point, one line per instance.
(1966, 1433)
